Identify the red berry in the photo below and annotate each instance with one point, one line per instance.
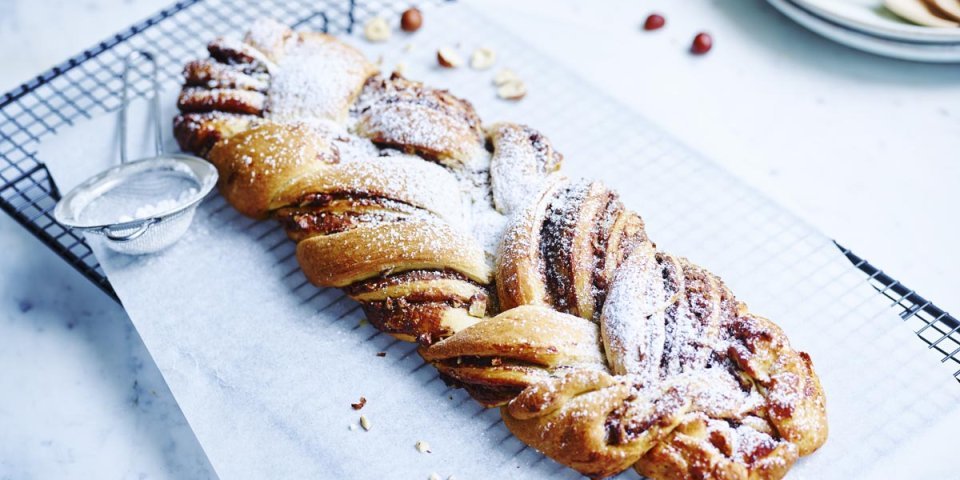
(702, 43)
(654, 22)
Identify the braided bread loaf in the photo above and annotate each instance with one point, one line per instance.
(607, 353)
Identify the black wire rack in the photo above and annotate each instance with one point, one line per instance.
(88, 85)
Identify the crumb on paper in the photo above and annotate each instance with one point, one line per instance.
(365, 422)
(360, 404)
(352, 427)
(381, 354)
(423, 447)
(434, 476)
(362, 322)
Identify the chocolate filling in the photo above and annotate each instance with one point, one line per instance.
(556, 246)
(601, 241)
(388, 280)
(623, 426)
(309, 216)
(401, 316)
(395, 93)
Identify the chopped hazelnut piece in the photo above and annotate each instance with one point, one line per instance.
(360, 404)
(514, 90)
(423, 447)
(449, 58)
(365, 423)
(504, 76)
(377, 30)
(482, 59)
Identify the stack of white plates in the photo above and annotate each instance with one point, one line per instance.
(866, 25)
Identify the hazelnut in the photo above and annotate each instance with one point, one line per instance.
(504, 76)
(512, 90)
(377, 30)
(449, 58)
(365, 423)
(654, 22)
(411, 20)
(482, 59)
(702, 43)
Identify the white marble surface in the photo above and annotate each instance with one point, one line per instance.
(816, 126)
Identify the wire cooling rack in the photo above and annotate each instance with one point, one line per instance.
(88, 85)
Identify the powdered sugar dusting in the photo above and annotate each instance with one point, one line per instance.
(313, 76)
(523, 162)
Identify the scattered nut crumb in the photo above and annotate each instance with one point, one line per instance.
(513, 90)
(482, 58)
(504, 76)
(352, 427)
(411, 20)
(423, 447)
(434, 476)
(365, 423)
(362, 322)
(360, 404)
(400, 68)
(449, 58)
(377, 30)
(381, 354)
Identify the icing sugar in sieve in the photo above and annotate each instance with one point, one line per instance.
(140, 206)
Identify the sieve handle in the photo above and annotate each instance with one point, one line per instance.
(126, 237)
(128, 64)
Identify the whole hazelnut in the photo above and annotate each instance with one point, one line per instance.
(702, 43)
(654, 22)
(411, 20)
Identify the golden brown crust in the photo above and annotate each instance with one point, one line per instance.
(417, 119)
(368, 251)
(608, 353)
(563, 250)
(522, 164)
(260, 161)
(573, 419)
(516, 349)
(704, 389)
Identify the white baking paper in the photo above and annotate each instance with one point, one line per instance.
(265, 366)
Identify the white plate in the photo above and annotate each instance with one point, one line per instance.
(938, 52)
(870, 16)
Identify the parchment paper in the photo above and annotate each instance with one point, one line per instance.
(265, 366)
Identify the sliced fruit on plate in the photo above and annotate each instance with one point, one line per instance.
(916, 11)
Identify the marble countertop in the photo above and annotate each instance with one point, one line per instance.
(862, 147)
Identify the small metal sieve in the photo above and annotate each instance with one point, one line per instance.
(140, 206)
